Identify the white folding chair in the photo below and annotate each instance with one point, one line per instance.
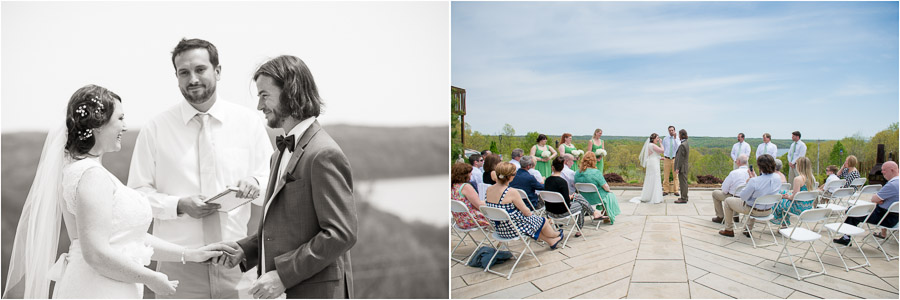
(762, 202)
(539, 211)
(892, 232)
(799, 197)
(785, 187)
(482, 190)
(501, 219)
(460, 207)
(591, 188)
(860, 210)
(804, 235)
(554, 197)
(856, 184)
(738, 190)
(834, 201)
(831, 186)
(866, 190)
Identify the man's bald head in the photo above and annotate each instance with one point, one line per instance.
(889, 170)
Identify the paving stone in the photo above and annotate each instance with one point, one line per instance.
(660, 251)
(684, 209)
(516, 292)
(613, 290)
(811, 288)
(526, 263)
(644, 209)
(456, 282)
(694, 272)
(660, 237)
(654, 290)
(733, 288)
(659, 271)
(662, 219)
(741, 273)
(699, 291)
(801, 295)
(500, 283)
(668, 227)
(585, 270)
(587, 283)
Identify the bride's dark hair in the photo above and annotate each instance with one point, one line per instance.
(89, 108)
(653, 137)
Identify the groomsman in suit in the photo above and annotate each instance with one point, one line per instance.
(741, 147)
(682, 165)
(190, 152)
(309, 218)
(766, 147)
(797, 150)
(670, 145)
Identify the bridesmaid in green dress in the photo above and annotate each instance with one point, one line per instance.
(589, 174)
(537, 151)
(566, 146)
(597, 143)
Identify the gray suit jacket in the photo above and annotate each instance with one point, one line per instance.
(311, 222)
(681, 158)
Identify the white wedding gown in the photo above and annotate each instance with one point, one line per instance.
(652, 191)
(131, 217)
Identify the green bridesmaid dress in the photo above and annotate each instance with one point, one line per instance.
(569, 151)
(542, 166)
(599, 160)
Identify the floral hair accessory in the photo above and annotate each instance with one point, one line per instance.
(501, 176)
(85, 134)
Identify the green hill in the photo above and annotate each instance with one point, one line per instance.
(392, 258)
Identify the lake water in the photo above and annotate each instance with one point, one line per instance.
(422, 198)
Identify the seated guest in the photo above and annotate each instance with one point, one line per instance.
(802, 182)
(500, 196)
(736, 178)
(577, 204)
(526, 182)
(588, 173)
(830, 171)
(568, 174)
(884, 198)
(477, 177)
(515, 157)
(534, 171)
(766, 183)
(461, 190)
(490, 161)
(848, 170)
(778, 166)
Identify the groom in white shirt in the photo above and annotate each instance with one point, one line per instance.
(670, 146)
(190, 152)
(739, 148)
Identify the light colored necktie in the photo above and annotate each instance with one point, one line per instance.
(671, 146)
(212, 228)
(794, 144)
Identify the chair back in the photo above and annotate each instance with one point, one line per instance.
(870, 189)
(785, 186)
(842, 192)
(814, 215)
(806, 196)
(856, 183)
(893, 208)
(482, 190)
(835, 184)
(525, 198)
(458, 206)
(861, 210)
(551, 197)
(495, 214)
(738, 190)
(767, 200)
(586, 188)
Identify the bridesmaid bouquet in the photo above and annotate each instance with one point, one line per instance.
(545, 154)
(600, 152)
(577, 153)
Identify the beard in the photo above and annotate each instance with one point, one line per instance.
(279, 118)
(202, 98)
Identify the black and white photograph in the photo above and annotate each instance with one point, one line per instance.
(217, 150)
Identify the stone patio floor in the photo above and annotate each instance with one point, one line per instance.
(670, 250)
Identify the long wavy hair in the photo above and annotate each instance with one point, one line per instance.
(804, 167)
(588, 161)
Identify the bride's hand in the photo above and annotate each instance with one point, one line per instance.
(205, 253)
(161, 285)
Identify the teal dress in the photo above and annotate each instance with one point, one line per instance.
(796, 209)
(609, 200)
(569, 151)
(599, 160)
(542, 166)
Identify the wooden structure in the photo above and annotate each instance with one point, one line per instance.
(459, 107)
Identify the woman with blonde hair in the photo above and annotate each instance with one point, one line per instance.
(803, 182)
(566, 146)
(849, 171)
(498, 196)
(597, 144)
(588, 173)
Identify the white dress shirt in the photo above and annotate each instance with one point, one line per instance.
(515, 163)
(738, 149)
(537, 175)
(831, 178)
(165, 166)
(477, 176)
(765, 184)
(569, 175)
(799, 151)
(670, 146)
(766, 148)
(735, 178)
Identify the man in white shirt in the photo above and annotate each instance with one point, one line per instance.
(515, 156)
(670, 146)
(534, 172)
(567, 173)
(766, 183)
(767, 147)
(477, 163)
(191, 152)
(797, 150)
(736, 178)
(739, 148)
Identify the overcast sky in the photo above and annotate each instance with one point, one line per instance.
(827, 69)
(374, 63)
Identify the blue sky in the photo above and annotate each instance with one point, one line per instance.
(827, 69)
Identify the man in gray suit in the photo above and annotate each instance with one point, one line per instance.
(309, 218)
(682, 166)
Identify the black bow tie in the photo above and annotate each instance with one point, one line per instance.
(285, 142)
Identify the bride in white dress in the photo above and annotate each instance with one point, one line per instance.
(652, 191)
(106, 221)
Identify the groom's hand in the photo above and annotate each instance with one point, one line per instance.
(195, 207)
(268, 286)
(233, 255)
(249, 188)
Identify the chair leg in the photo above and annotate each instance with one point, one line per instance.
(486, 238)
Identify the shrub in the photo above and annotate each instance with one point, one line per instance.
(708, 179)
(613, 178)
